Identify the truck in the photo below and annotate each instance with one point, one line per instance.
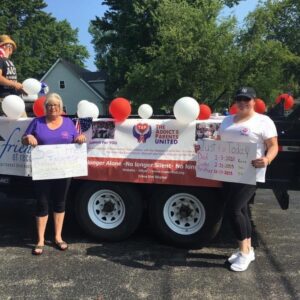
(144, 170)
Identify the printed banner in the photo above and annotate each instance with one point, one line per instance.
(14, 157)
(136, 150)
(147, 151)
(226, 161)
(59, 161)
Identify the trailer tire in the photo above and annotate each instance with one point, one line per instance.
(186, 217)
(108, 211)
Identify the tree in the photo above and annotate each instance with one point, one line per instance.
(155, 51)
(121, 36)
(192, 56)
(158, 51)
(275, 26)
(40, 38)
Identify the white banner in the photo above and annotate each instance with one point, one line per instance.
(14, 157)
(157, 151)
(226, 161)
(59, 161)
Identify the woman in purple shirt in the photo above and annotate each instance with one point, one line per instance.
(49, 130)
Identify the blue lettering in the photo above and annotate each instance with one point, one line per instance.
(14, 147)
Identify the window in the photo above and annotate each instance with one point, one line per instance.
(62, 84)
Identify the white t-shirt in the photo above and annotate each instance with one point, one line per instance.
(257, 129)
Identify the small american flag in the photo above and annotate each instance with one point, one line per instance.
(82, 124)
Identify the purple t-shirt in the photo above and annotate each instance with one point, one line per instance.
(65, 134)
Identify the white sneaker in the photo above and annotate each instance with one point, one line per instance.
(242, 262)
(235, 255)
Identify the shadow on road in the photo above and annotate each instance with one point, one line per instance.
(142, 250)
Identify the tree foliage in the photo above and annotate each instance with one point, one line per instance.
(280, 21)
(40, 38)
(156, 51)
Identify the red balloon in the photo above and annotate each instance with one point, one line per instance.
(38, 106)
(288, 100)
(205, 112)
(233, 109)
(120, 109)
(260, 106)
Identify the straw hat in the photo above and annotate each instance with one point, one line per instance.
(5, 39)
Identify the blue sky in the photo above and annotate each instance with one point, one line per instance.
(80, 13)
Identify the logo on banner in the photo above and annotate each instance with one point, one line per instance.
(142, 131)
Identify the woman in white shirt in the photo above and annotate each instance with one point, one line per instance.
(247, 126)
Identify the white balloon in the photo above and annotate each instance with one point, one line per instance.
(186, 110)
(145, 111)
(87, 109)
(94, 110)
(31, 98)
(31, 86)
(13, 106)
(81, 102)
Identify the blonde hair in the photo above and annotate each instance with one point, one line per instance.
(56, 96)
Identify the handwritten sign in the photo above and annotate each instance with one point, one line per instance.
(226, 161)
(59, 161)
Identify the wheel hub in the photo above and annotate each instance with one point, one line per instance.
(185, 211)
(108, 207)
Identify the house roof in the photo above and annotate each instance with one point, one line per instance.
(83, 74)
(87, 75)
(94, 76)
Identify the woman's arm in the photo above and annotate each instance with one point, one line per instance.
(272, 150)
(29, 139)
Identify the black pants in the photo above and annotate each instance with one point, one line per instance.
(237, 197)
(52, 190)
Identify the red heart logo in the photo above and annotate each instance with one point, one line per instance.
(142, 127)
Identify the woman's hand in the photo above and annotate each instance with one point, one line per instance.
(272, 150)
(260, 162)
(29, 140)
(197, 148)
(80, 139)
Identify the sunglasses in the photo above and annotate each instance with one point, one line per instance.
(239, 99)
(9, 46)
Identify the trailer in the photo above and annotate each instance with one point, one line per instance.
(145, 169)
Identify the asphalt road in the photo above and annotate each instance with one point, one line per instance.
(142, 268)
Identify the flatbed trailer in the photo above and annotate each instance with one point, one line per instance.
(152, 176)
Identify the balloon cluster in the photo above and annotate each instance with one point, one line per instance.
(145, 111)
(31, 86)
(205, 112)
(36, 91)
(185, 110)
(260, 106)
(87, 109)
(38, 106)
(13, 106)
(287, 99)
(120, 109)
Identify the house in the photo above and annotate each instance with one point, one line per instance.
(74, 83)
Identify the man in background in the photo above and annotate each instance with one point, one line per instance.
(8, 73)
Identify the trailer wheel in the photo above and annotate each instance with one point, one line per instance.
(108, 211)
(186, 217)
